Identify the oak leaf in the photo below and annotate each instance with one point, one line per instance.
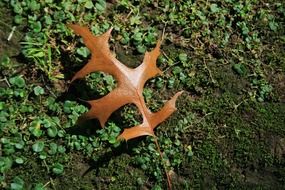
(130, 84)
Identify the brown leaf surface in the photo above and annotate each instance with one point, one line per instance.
(130, 84)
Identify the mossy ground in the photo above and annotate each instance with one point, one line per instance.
(238, 140)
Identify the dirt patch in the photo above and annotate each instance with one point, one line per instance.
(278, 81)
(277, 147)
(9, 46)
(76, 175)
(264, 178)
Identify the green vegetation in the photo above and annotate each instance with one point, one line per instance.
(228, 132)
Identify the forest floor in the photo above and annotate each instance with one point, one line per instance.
(229, 128)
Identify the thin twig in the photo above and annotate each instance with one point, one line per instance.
(9, 26)
(11, 33)
(48, 88)
(164, 54)
(170, 67)
(209, 71)
(52, 183)
(199, 121)
(7, 82)
(46, 184)
(129, 14)
(163, 32)
(46, 165)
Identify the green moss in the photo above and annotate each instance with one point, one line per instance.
(120, 174)
(234, 137)
(32, 171)
(270, 118)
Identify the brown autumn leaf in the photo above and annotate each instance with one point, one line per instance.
(130, 84)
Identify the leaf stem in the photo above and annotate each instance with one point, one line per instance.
(165, 169)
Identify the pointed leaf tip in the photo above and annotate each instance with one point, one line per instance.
(136, 131)
(107, 34)
(174, 98)
(110, 30)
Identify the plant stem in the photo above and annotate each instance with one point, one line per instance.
(166, 172)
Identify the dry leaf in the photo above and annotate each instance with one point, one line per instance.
(130, 84)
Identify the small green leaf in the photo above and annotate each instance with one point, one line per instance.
(214, 8)
(48, 19)
(52, 131)
(273, 26)
(34, 6)
(141, 49)
(35, 128)
(53, 148)
(2, 178)
(19, 160)
(20, 145)
(5, 164)
(89, 4)
(61, 149)
(39, 54)
(182, 57)
(47, 122)
(150, 39)
(48, 1)
(38, 90)
(100, 5)
(37, 26)
(189, 151)
(17, 8)
(240, 69)
(39, 186)
(18, 19)
(43, 155)
(61, 133)
(20, 93)
(17, 81)
(18, 184)
(135, 20)
(26, 109)
(177, 70)
(112, 140)
(83, 51)
(4, 116)
(9, 149)
(125, 38)
(57, 168)
(5, 61)
(38, 146)
(138, 36)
